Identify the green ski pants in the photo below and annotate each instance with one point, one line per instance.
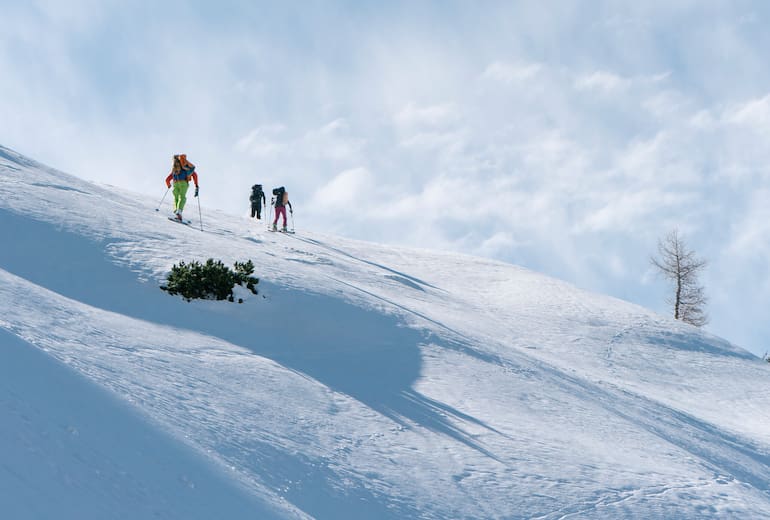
(180, 194)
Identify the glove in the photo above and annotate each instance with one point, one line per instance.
(196, 191)
(168, 185)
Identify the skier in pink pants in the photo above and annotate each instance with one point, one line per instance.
(280, 202)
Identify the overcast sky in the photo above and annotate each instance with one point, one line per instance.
(565, 136)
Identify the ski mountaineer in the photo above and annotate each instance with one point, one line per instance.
(181, 173)
(280, 202)
(257, 198)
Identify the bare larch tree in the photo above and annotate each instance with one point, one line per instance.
(681, 267)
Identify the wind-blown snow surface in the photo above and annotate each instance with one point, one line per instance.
(364, 381)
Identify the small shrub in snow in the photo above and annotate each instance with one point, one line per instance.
(210, 281)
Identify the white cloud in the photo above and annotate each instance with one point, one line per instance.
(667, 104)
(499, 242)
(432, 128)
(427, 116)
(335, 126)
(345, 193)
(751, 237)
(263, 141)
(703, 120)
(433, 140)
(752, 113)
(333, 141)
(628, 211)
(329, 142)
(601, 80)
(511, 73)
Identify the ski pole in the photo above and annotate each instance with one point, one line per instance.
(161, 200)
(291, 212)
(200, 219)
(272, 203)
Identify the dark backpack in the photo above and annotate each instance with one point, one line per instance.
(256, 194)
(278, 192)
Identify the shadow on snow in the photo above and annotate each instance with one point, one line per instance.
(365, 354)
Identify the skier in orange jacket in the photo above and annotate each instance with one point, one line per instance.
(181, 173)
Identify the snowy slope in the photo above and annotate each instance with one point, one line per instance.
(364, 381)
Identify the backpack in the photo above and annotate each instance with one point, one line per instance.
(279, 192)
(256, 194)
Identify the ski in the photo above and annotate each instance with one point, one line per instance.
(185, 222)
(288, 231)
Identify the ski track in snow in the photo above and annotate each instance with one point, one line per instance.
(409, 384)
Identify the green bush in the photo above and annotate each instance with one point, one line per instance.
(210, 281)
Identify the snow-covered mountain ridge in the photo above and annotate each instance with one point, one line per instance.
(364, 381)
